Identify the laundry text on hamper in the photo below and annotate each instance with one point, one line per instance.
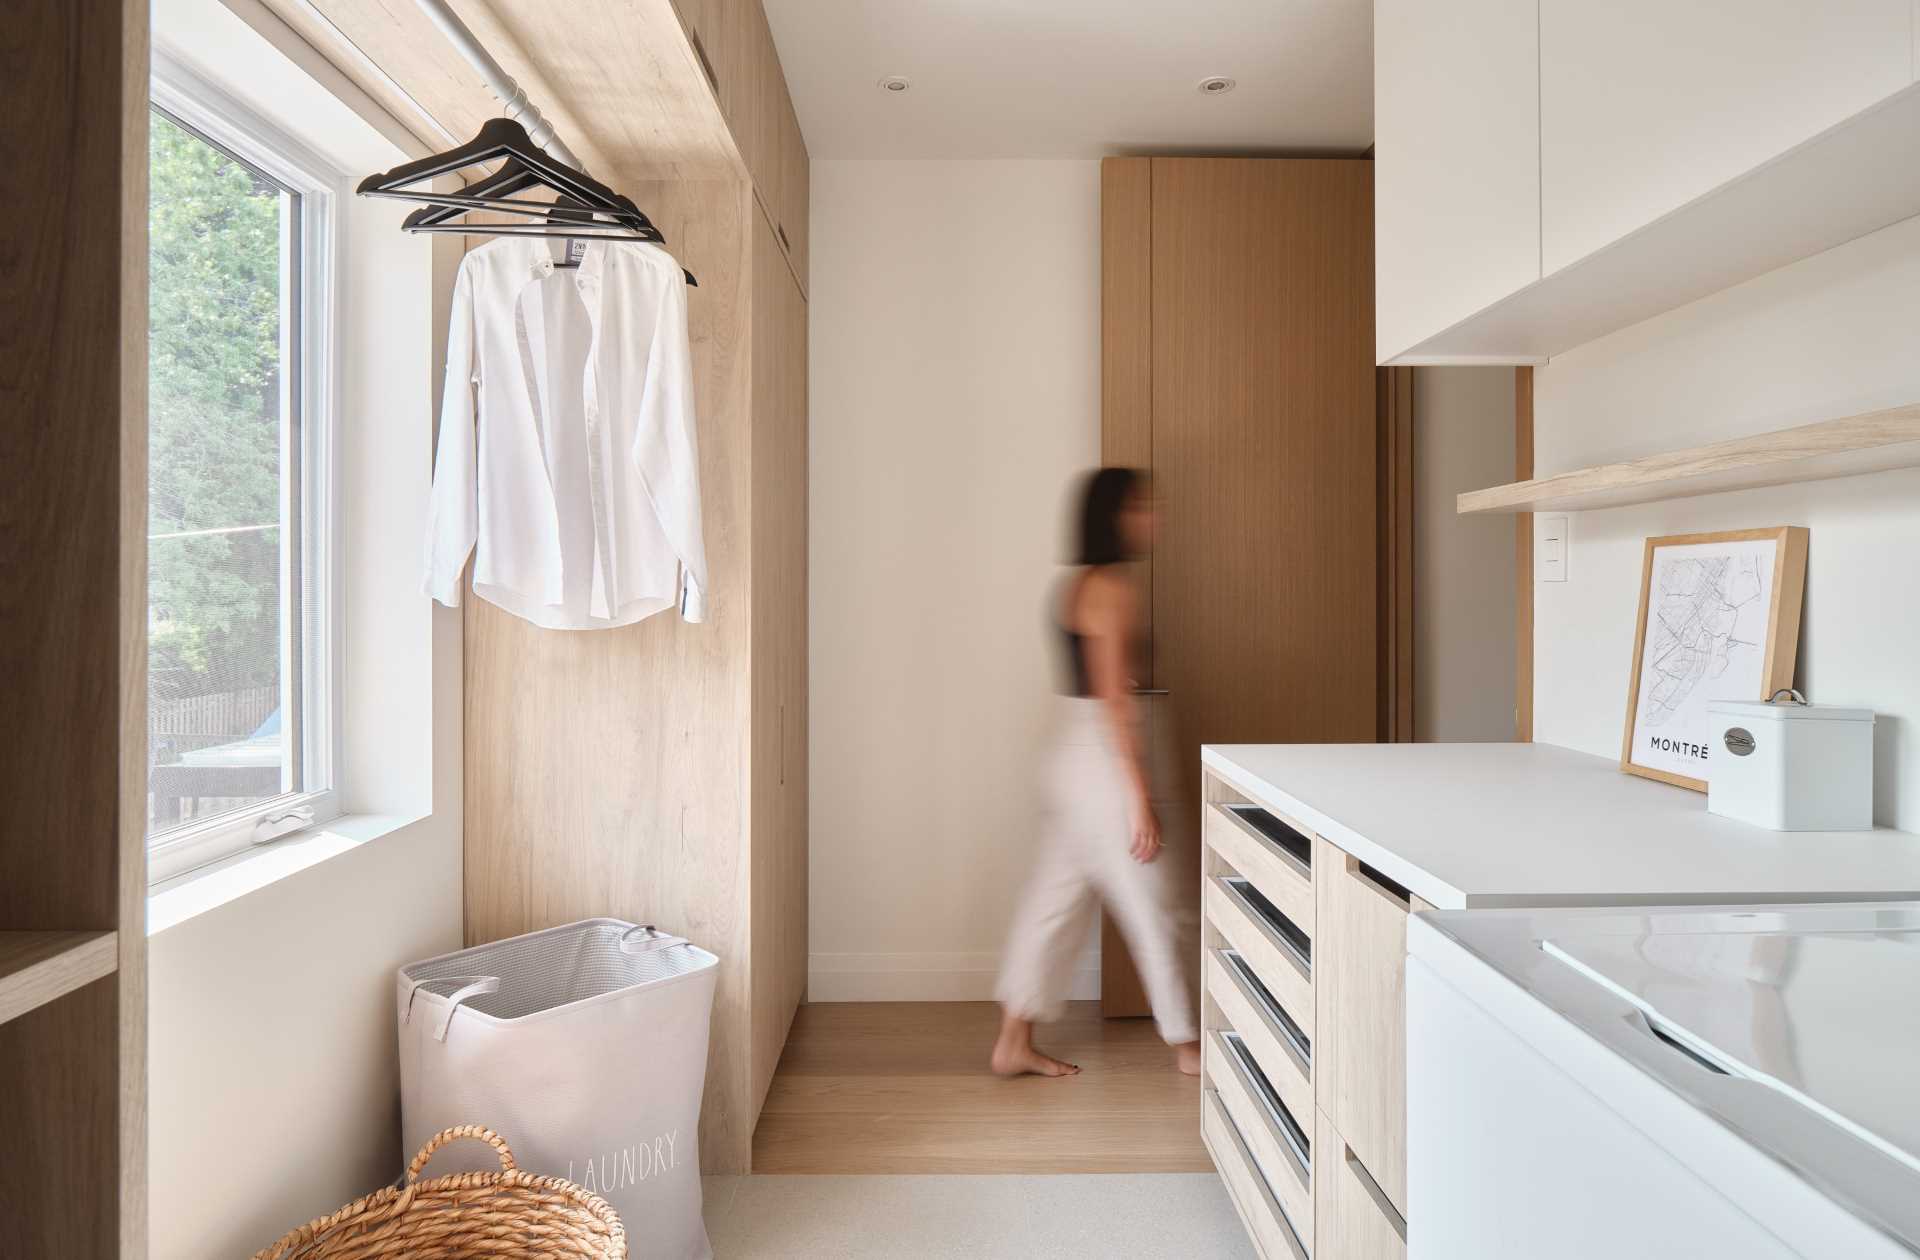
(629, 1165)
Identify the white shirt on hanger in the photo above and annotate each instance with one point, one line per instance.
(567, 459)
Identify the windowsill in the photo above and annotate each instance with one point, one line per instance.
(193, 894)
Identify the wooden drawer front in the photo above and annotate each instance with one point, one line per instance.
(1259, 1211)
(1288, 1172)
(1276, 965)
(1360, 1046)
(1352, 1218)
(1286, 1067)
(1281, 877)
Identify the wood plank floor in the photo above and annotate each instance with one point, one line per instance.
(903, 1087)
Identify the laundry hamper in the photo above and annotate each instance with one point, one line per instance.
(466, 1216)
(586, 1047)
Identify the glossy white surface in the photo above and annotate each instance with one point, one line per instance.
(1803, 1125)
(1470, 825)
(1829, 1016)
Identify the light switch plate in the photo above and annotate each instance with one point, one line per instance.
(1550, 548)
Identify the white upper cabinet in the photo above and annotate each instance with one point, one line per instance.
(1457, 161)
(1646, 105)
(1551, 171)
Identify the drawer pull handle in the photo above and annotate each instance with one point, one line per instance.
(1252, 1166)
(1373, 879)
(1374, 1192)
(1270, 832)
(1268, 1006)
(1285, 1127)
(1268, 918)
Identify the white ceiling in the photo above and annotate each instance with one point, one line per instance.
(1077, 78)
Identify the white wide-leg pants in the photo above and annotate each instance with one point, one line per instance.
(1084, 861)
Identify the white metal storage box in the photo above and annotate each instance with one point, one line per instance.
(1791, 766)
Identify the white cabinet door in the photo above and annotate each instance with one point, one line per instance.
(1647, 104)
(1456, 162)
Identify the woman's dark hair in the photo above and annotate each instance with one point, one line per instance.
(1101, 504)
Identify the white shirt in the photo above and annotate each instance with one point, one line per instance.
(567, 455)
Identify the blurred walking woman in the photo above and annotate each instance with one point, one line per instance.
(1101, 839)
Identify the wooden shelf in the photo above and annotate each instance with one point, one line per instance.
(37, 967)
(1847, 447)
(1779, 213)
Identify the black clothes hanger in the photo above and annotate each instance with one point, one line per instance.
(585, 208)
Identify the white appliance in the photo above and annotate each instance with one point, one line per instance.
(1791, 766)
(1669, 1084)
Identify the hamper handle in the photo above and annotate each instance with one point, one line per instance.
(475, 986)
(446, 1136)
(654, 939)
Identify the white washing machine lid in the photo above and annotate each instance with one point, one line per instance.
(1795, 1028)
(1827, 1014)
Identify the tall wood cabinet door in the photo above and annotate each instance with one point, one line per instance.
(779, 653)
(1646, 105)
(1457, 145)
(1360, 1020)
(1237, 347)
(1263, 442)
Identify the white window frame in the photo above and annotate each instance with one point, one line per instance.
(207, 109)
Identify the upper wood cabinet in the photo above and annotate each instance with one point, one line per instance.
(1551, 171)
(795, 191)
(1646, 105)
(1457, 156)
(736, 48)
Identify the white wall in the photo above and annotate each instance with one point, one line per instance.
(1463, 597)
(272, 1084)
(1835, 334)
(955, 394)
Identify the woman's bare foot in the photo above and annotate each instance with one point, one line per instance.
(1187, 1058)
(1029, 1062)
(1014, 1055)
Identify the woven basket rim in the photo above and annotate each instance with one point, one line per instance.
(388, 1208)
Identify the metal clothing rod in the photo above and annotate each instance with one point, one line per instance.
(512, 96)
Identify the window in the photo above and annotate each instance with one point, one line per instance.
(241, 675)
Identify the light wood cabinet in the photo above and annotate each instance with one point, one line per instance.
(1457, 158)
(778, 887)
(73, 546)
(1646, 105)
(1352, 1219)
(1360, 992)
(736, 49)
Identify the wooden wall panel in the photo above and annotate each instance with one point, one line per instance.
(778, 832)
(605, 770)
(73, 354)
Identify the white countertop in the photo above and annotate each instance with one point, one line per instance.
(1466, 825)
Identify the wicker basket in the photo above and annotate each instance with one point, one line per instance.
(466, 1216)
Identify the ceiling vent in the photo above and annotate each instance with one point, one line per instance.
(894, 83)
(1216, 85)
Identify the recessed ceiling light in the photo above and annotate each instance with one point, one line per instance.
(894, 83)
(1216, 85)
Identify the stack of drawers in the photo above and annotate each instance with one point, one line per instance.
(1303, 1101)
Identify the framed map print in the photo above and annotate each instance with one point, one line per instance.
(1719, 620)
